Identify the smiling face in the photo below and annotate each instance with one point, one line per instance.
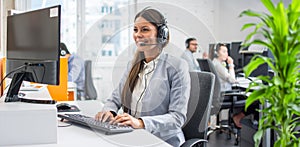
(144, 32)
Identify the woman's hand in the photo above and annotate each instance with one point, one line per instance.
(229, 60)
(104, 116)
(128, 120)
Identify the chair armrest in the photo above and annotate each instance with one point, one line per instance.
(192, 142)
(235, 97)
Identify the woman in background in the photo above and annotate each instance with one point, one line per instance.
(227, 78)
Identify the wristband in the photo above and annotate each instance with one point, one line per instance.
(230, 65)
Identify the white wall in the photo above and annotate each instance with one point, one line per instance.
(229, 24)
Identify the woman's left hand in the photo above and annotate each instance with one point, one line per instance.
(128, 120)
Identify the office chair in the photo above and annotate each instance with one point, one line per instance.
(195, 128)
(89, 92)
(227, 100)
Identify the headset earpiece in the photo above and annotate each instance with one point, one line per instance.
(162, 29)
(162, 34)
(187, 44)
(63, 52)
(216, 54)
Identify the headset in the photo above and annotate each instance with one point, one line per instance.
(136, 106)
(63, 49)
(62, 52)
(162, 29)
(217, 47)
(187, 41)
(162, 32)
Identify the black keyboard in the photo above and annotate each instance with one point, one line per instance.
(94, 124)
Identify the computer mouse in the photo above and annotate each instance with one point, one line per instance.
(63, 106)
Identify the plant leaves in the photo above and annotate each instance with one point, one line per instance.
(254, 96)
(253, 64)
(247, 26)
(280, 28)
(257, 137)
(249, 13)
(269, 5)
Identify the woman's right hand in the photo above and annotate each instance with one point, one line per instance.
(104, 116)
(229, 60)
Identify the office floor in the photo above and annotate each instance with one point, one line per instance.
(220, 140)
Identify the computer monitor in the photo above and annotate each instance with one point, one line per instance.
(211, 51)
(261, 70)
(235, 55)
(33, 42)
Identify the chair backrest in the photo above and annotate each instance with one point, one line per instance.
(90, 90)
(208, 66)
(202, 84)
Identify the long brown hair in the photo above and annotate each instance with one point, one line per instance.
(157, 19)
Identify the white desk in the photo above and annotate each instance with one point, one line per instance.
(78, 136)
(245, 82)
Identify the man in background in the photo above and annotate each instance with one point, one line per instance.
(76, 70)
(191, 45)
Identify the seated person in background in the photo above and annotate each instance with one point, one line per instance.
(155, 88)
(227, 78)
(221, 61)
(76, 70)
(205, 55)
(191, 47)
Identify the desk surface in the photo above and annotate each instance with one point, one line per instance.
(79, 136)
(245, 82)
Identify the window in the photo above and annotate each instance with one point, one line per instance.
(91, 27)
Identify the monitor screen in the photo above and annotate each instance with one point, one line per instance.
(261, 70)
(235, 55)
(33, 42)
(211, 51)
(34, 35)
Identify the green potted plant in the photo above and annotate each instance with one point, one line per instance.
(280, 28)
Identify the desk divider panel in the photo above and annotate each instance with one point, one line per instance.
(60, 92)
(2, 73)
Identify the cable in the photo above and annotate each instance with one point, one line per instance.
(143, 89)
(18, 68)
(44, 68)
(67, 125)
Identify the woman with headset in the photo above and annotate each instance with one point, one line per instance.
(225, 69)
(221, 62)
(155, 89)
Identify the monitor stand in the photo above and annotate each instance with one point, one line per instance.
(16, 82)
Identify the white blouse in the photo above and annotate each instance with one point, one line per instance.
(227, 77)
(142, 83)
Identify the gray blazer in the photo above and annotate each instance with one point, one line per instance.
(164, 105)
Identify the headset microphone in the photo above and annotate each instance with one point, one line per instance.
(148, 44)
